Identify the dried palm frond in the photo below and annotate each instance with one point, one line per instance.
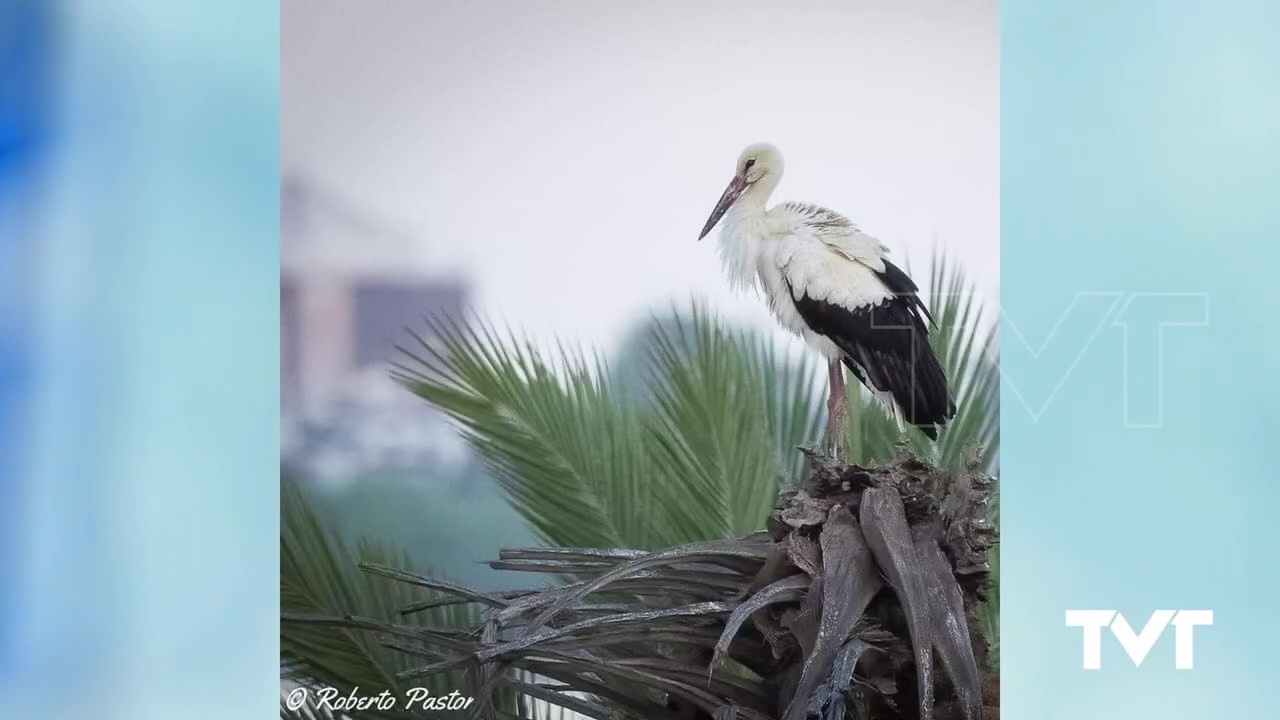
(865, 575)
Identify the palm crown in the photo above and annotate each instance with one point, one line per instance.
(694, 449)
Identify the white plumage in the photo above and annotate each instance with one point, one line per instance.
(831, 284)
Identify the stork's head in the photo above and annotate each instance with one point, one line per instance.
(759, 167)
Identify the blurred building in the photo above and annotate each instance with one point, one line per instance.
(351, 286)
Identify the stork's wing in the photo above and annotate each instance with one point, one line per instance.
(884, 340)
(838, 233)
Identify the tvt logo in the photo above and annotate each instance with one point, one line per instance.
(1137, 645)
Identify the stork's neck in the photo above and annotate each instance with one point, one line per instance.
(753, 203)
(744, 229)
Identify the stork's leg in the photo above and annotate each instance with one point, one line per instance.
(837, 436)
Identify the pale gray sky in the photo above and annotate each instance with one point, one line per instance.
(564, 155)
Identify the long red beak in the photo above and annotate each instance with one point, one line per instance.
(736, 187)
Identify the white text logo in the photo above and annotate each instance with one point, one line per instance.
(1138, 644)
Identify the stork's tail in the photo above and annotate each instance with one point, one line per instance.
(918, 386)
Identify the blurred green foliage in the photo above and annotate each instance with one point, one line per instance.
(453, 521)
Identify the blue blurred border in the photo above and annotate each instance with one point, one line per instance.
(139, 248)
(1140, 176)
(25, 63)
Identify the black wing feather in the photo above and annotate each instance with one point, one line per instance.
(887, 348)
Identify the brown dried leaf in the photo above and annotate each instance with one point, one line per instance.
(884, 524)
(950, 627)
(850, 581)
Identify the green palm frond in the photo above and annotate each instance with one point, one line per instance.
(698, 452)
(726, 416)
(587, 462)
(321, 576)
(968, 346)
(558, 436)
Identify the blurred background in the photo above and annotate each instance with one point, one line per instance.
(139, 366)
(549, 165)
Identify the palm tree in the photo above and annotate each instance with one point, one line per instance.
(694, 460)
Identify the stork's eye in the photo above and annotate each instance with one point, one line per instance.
(749, 163)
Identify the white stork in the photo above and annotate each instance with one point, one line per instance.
(831, 284)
